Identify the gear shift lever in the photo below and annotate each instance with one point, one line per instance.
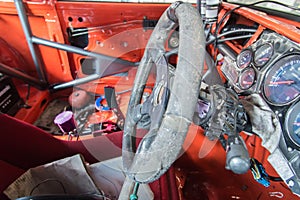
(237, 156)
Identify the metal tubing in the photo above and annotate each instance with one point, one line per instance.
(20, 75)
(28, 35)
(80, 51)
(75, 82)
(105, 65)
(110, 65)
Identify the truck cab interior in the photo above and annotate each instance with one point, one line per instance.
(195, 100)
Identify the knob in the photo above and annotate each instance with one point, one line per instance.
(237, 156)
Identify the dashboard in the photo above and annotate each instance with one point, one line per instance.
(271, 68)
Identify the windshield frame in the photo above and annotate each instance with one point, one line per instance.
(269, 11)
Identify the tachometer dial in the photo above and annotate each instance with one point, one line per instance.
(244, 59)
(292, 123)
(247, 78)
(263, 54)
(282, 83)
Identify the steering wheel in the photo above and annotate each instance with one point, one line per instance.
(171, 105)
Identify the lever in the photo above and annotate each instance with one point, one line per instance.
(237, 156)
(111, 99)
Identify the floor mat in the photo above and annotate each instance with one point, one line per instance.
(45, 121)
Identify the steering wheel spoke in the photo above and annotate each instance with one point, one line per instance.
(155, 105)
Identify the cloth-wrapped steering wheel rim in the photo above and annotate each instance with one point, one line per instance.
(161, 146)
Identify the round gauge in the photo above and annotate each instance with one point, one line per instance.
(282, 82)
(244, 59)
(292, 123)
(263, 54)
(247, 78)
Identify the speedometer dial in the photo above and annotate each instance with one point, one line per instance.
(292, 123)
(282, 83)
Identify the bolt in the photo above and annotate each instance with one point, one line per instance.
(291, 183)
(174, 42)
(125, 44)
(101, 44)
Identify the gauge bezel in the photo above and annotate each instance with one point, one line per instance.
(280, 60)
(240, 77)
(290, 117)
(259, 47)
(240, 56)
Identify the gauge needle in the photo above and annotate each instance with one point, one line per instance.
(282, 82)
(263, 59)
(247, 82)
(244, 65)
(297, 123)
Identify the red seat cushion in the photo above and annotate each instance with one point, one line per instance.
(23, 146)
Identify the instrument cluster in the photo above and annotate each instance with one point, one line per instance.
(270, 67)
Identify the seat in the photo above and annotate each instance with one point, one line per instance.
(23, 146)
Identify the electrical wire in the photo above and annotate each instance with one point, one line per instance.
(248, 5)
(64, 189)
(237, 31)
(275, 179)
(218, 24)
(82, 31)
(235, 38)
(48, 180)
(232, 32)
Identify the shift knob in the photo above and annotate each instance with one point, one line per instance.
(237, 156)
(79, 99)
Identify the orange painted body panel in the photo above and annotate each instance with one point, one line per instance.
(119, 33)
(44, 24)
(289, 30)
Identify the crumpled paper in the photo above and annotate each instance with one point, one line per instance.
(65, 176)
(72, 176)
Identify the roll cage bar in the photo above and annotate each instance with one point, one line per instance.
(115, 64)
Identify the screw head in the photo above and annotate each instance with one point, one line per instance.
(291, 183)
